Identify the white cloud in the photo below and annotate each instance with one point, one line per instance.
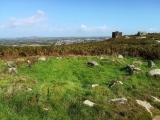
(37, 26)
(83, 27)
(40, 12)
(153, 29)
(25, 22)
(94, 28)
(2, 26)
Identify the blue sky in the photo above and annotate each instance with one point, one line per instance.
(76, 18)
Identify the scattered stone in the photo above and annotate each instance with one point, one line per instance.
(114, 83)
(46, 108)
(120, 56)
(12, 69)
(156, 99)
(120, 82)
(101, 58)
(58, 57)
(122, 100)
(132, 69)
(128, 68)
(151, 63)
(145, 104)
(137, 63)
(29, 89)
(89, 103)
(131, 66)
(154, 72)
(10, 64)
(42, 58)
(92, 63)
(111, 85)
(136, 70)
(28, 61)
(94, 85)
(158, 41)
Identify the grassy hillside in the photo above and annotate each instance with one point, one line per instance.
(55, 89)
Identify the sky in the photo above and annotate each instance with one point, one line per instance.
(77, 18)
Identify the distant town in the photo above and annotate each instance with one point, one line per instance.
(48, 41)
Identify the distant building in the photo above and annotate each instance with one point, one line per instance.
(153, 33)
(141, 33)
(116, 34)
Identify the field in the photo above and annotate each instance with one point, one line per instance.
(55, 89)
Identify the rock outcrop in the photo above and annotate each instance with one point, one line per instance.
(10, 64)
(92, 63)
(151, 63)
(145, 104)
(42, 58)
(122, 100)
(120, 56)
(154, 72)
(94, 85)
(89, 103)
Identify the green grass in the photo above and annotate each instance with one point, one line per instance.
(62, 85)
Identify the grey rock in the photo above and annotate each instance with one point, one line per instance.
(154, 72)
(120, 56)
(156, 99)
(158, 41)
(10, 64)
(58, 57)
(132, 69)
(29, 89)
(42, 58)
(131, 66)
(111, 85)
(46, 108)
(28, 61)
(137, 63)
(92, 63)
(89, 103)
(12, 70)
(122, 100)
(114, 83)
(95, 85)
(145, 104)
(120, 82)
(136, 69)
(151, 63)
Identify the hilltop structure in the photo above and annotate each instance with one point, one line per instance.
(116, 34)
(154, 33)
(141, 33)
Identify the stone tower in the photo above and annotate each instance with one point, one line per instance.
(116, 34)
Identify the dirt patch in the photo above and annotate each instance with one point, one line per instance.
(156, 117)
